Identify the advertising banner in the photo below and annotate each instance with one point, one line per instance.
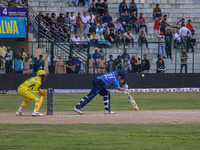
(13, 12)
(12, 27)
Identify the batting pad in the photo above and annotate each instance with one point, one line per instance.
(39, 104)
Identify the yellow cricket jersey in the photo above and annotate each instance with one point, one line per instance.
(32, 84)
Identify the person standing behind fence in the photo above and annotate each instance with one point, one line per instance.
(145, 64)
(110, 64)
(40, 63)
(3, 50)
(101, 65)
(161, 44)
(91, 64)
(8, 57)
(60, 66)
(168, 40)
(18, 64)
(184, 34)
(184, 58)
(26, 66)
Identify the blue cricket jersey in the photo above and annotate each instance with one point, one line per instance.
(110, 79)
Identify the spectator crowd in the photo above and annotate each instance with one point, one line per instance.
(98, 29)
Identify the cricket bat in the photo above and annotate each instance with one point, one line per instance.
(132, 101)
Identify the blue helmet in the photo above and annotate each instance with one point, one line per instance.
(122, 74)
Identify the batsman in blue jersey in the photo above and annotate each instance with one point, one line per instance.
(112, 78)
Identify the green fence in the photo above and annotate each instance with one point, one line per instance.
(63, 50)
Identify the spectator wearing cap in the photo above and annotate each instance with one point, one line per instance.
(23, 54)
(40, 63)
(123, 7)
(99, 7)
(8, 58)
(85, 21)
(70, 66)
(189, 25)
(3, 50)
(53, 18)
(60, 19)
(142, 23)
(133, 22)
(101, 65)
(17, 65)
(119, 39)
(157, 12)
(96, 56)
(184, 34)
(106, 19)
(77, 64)
(145, 64)
(133, 8)
(181, 22)
(99, 21)
(92, 7)
(76, 2)
(142, 39)
(110, 65)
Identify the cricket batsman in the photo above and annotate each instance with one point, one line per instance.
(112, 78)
(29, 89)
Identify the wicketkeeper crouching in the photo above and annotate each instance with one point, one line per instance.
(29, 89)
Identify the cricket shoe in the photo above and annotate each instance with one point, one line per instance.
(37, 114)
(108, 112)
(77, 110)
(18, 114)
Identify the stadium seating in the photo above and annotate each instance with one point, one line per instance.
(175, 9)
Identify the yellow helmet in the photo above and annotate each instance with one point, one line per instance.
(41, 73)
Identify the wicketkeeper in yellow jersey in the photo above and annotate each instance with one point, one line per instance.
(29, 89)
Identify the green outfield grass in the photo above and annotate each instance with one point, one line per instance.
(119, 101)
(100, 137)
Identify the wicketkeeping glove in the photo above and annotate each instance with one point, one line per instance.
(43, 92)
